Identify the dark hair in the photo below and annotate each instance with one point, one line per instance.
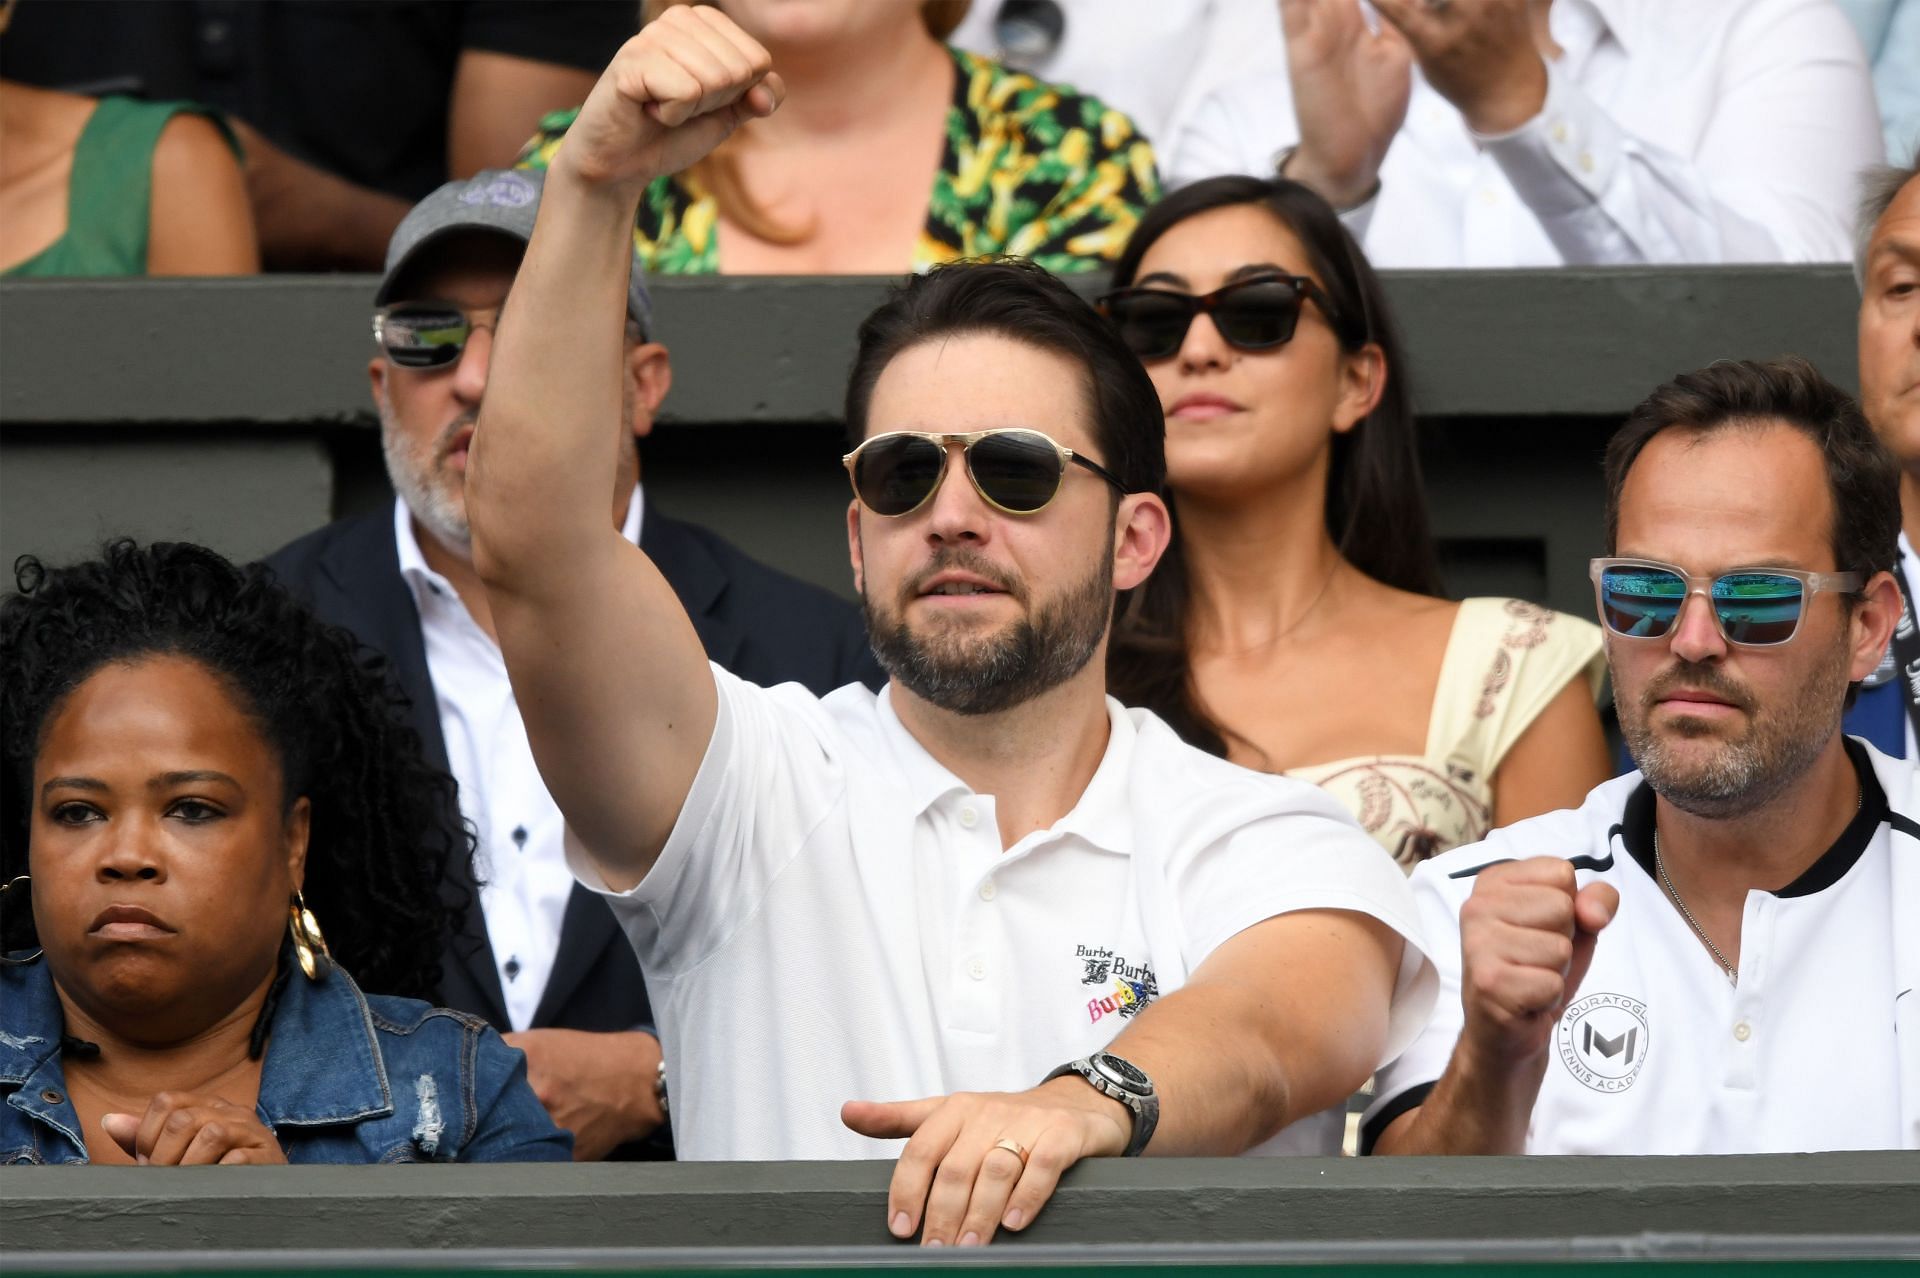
(1376, 508)
(1862, 476)
(1017, 300)
(384, 824)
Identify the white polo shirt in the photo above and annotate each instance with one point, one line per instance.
(833, 917)
(1816, 1048)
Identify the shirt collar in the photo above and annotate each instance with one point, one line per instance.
(1637, 820)
(420, 578)
(1101, 817)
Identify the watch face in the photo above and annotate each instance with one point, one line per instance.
(1123, 1073)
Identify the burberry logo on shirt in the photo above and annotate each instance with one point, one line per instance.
(1130, 986)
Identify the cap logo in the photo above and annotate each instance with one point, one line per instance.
(509, 190)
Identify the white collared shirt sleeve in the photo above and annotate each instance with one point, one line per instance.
(769, 777)
(1771, 178)
(1307, 859)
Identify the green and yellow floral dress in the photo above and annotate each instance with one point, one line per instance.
(1030, 169)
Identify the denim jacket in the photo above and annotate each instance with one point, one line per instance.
(347, 1078)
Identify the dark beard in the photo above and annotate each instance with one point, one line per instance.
(1780, 744)
(1034, 655)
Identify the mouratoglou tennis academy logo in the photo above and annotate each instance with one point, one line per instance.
(1602, 1040)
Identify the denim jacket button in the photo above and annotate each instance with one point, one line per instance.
(51, 1097)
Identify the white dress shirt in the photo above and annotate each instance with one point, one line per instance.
(526, 880)
(1155, 60)
(1673, 131)
(834, 918)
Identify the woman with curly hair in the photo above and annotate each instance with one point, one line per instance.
(194, 772)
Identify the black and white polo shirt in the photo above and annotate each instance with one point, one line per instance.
(1816, 1048)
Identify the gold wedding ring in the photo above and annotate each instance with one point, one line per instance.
(1013, 1147)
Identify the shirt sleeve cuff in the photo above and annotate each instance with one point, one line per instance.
(1561, 160)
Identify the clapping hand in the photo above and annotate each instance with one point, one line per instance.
(1350, 89)
(1351, 84)
(1479, 55)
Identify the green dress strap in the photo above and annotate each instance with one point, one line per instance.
(110, 191)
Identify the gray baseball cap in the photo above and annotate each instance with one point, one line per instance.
(503, 200)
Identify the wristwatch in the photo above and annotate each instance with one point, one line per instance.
(660, 1089)
(1124, 1082)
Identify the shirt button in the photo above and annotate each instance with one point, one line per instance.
(51, 1097)
(520, 837)
(969, 817)
(512, 969)
(1586, 161)
(1489, 196)
(1559, 131)
(988, 891)
(977, 969)
(1743, 1031)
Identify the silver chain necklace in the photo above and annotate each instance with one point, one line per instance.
(1660, 868)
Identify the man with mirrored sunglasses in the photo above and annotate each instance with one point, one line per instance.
(987, 921)
(1720, 952)
(542, 959)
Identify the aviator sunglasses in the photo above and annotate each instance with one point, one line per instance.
(427, 334)
(1253, 315)
(1014, 470)
(1754, 607)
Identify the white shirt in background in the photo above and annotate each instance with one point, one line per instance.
(1154, 60)
(833, 917)
(1816, 1048)
(1674, 131)
(527, 883)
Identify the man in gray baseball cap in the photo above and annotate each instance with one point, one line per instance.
(540, 958)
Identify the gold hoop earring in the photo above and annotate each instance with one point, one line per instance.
(309, 947)
(19, 881)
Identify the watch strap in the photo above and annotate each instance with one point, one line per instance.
(1145, 1109)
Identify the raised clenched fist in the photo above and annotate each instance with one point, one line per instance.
(1526, 939)
(672, 94)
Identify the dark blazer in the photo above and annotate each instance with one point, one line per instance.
(761, 624)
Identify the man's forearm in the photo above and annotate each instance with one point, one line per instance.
(1222, 1087)
(1473, 1109)
(545, 442)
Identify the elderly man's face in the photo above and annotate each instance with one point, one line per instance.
(1890, 329)
(1718, 729)
(427, 415)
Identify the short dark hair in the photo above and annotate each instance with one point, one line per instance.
(1861, 474)
(1017, 300)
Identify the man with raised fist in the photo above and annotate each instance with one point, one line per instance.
(987, 920)
(1719, 953)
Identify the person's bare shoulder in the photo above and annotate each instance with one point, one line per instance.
(193, 150)
(201, 220)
